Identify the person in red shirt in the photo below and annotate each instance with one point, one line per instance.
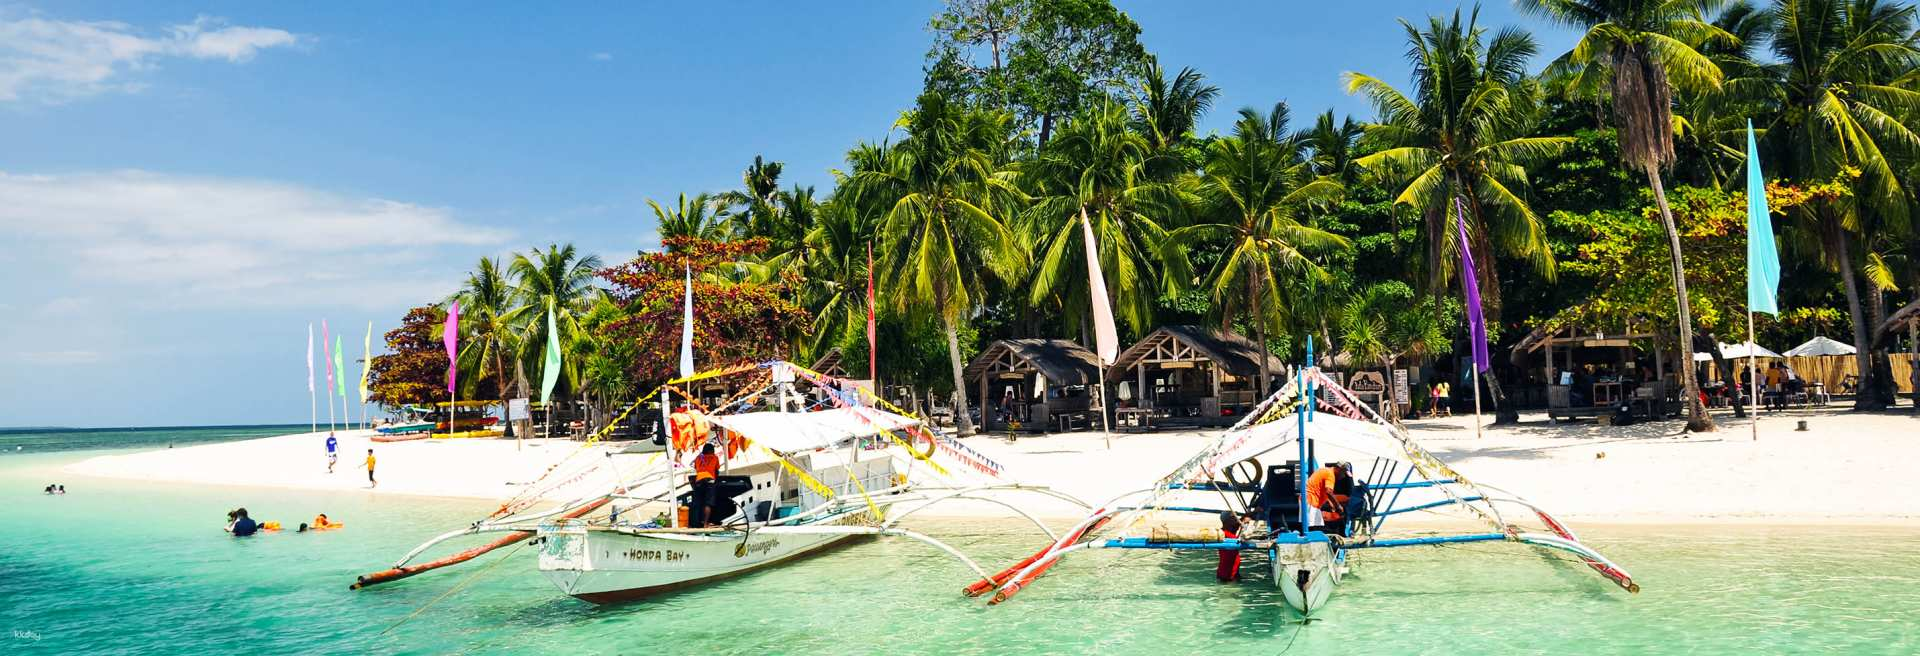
(1228, 570)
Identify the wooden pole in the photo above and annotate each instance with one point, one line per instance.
(1752, 377)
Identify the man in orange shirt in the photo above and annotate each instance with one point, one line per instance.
(1322, 493)
(706, 470)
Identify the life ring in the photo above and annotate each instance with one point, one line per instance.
(933, 444)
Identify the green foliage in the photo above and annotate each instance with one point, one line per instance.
(1042, 60)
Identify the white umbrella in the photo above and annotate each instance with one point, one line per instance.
(1822, 346)
(1737, 352)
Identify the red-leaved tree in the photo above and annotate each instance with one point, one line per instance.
(734, 322)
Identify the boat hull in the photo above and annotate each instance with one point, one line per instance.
(1305, 568)
(603, 567)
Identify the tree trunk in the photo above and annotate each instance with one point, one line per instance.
(962, 423)
(1697, 419)
(1884, 391)
(1259, 330)
(1046, 129)
(1863, 397)
(500, 373)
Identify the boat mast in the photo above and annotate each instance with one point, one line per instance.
(1300, 416)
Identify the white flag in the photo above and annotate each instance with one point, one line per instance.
(309, 357)
(1106, 339)
(686, 331)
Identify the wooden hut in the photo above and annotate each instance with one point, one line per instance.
(1193, 375)
(1040, 383)
(1592, 373)
(830, 364)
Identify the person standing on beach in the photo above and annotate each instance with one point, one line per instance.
(369, 465)
(333, 452)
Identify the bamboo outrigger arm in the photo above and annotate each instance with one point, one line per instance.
(403, 571)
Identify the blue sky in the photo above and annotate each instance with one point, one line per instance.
(185, 186)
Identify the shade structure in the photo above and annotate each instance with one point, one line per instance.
(1822, 346)
(794, 432)
(1739, 351)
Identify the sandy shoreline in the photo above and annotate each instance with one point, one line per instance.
(1851, 469)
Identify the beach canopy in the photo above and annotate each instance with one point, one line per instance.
(793, 432)
(1822, 346)
(1739, 351)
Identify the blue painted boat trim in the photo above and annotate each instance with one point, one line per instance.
(1142, 543)
(1441, 539)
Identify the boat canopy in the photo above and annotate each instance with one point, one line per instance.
(793, 432)
(1335, 437)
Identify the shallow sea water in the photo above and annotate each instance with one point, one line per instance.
(143, 568)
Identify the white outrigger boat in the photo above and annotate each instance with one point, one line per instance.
(813, 478)
(1307, 553)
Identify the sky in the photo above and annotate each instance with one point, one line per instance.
(186, 186)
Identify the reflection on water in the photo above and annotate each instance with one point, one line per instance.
(144, 568)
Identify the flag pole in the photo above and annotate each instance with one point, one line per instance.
(313, 402)
(1476, 401)
(1752, 375)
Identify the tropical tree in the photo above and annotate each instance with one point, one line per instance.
(1839, 72)
(699, 217)
(1388, 321)
(487, 303)
(1253, 193)
(557, 278)
(1045, 59)
(1165, 114)
(1461, 141)
(1095, 170)
(1642, 47)
(945, 227)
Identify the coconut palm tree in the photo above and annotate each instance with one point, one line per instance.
(556, 277)
(1637, 49)
(701, 216)
(1844, 72)
(487, 300)
(1095, 168)
(1253, 193)
(1462, 140)
(1462, 135)
(945, 226)
(1165, 113)
(1385, 322)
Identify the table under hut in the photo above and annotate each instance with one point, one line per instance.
(1036, 385)
(1189, 375)
(1595, 373)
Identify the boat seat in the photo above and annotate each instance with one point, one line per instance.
(1279, 500)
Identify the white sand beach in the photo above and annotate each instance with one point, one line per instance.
(1846, 469)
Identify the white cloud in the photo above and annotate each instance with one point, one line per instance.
(602, 56)
(55, 60)
(66, 305)
(58, 357)
(198, 241)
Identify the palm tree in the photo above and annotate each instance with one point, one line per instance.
(1641, 47)
(556, 277)
(1462, 136)
(702, 217)
(1253, 191)
(1385, 322)
(1332, 147)
(1461, 141)
(1848, 112)
(1165, 115)
(944, 230)
(487, 301)
(1094, 169)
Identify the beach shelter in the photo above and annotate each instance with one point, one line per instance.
(1194, 374)
(1821, 346)
(1035, 382)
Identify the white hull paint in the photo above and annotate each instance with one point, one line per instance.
(605, 566)
(1305, 572)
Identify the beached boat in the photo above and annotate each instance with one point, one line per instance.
(810, 463)
(1309, 546)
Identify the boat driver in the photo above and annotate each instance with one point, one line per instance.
(706, 471)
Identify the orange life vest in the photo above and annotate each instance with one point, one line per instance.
(706, 466)
(689, 429)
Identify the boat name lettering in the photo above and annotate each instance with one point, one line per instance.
(755, 548)
(667, 555)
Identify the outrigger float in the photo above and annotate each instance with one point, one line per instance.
(810, 463)
(1315, 421)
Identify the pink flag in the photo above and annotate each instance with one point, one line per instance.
(452, 337)
(873, 335)
(329, 361)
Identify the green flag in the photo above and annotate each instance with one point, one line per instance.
(341, 366)
(550, 371)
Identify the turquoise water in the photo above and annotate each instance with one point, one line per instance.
(24, 441)
(141, 568)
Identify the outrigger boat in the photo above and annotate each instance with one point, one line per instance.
(808, 469)
(1315, 421)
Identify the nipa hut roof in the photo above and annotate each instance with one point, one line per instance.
(1061, 361)
(1231, 351)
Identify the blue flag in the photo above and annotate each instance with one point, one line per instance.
(1763, 258)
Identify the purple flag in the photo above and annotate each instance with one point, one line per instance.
(1476, 323)
(451, 335)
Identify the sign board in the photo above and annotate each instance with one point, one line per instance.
(1368, 381)
(517, 410)
(1402, 392)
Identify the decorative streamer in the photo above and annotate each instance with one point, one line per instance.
(366, 364)
(450, 335)
(686, 330)
(1470, 280)
(550, 370)
(1763, 258)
